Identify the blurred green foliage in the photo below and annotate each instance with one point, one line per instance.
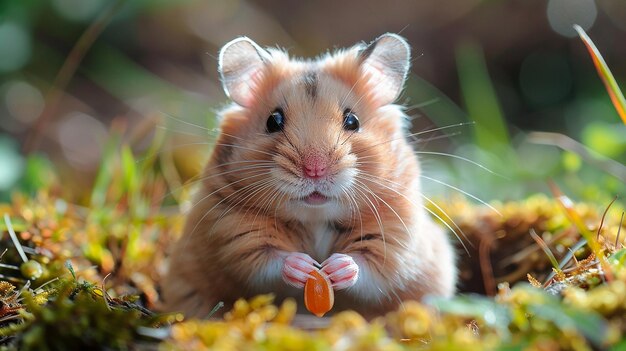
(156, 59)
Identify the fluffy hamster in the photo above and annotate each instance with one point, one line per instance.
(311, 169)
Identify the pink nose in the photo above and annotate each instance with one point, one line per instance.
(315, 166)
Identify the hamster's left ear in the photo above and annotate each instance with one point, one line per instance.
(241, 64)
(387, 61)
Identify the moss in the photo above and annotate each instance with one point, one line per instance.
(91, 282)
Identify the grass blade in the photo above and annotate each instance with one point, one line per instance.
(568, 207)
(542, 244)
(481, 100)
(16, 242)
(605, 73)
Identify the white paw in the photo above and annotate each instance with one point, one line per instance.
(342, 270)
(297, 267)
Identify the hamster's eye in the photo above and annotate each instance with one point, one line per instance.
(350, 121)
(276, 121)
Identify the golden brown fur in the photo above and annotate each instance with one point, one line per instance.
(248, 214)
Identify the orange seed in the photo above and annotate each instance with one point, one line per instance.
(319, 296)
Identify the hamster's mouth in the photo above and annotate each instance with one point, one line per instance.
(315, 199)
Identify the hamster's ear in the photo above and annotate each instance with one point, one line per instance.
(241, 63)
(387, 61)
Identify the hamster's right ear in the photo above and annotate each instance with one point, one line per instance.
(241, 64)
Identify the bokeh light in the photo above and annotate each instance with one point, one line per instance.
(609, 139)
(82, 138)
(616, 11)
(15, 46)
(545, 78)
(24, 102)
(78, 10)
(563, 14)
(579, 114)
(11, 163)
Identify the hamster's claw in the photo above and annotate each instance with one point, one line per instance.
(342, 270)
(297, 267)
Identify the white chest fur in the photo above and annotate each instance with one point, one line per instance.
(323, 238)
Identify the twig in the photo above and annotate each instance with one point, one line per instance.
(619, 229)
(66, 73)
(104, 292)
(566, 143)
(604, 215)
(486, 269)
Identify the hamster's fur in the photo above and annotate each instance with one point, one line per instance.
(311, 169)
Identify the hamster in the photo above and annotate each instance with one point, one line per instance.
(311, 170)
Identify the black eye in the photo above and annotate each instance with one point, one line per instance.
(350, 121)
(276, 121)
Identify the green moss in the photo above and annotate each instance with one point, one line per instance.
(91, 282)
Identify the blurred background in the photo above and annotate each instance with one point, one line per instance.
(76, 74)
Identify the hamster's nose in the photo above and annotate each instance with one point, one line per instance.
(315, 165)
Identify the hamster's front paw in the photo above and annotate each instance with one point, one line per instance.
(297, 267)
(342, 270)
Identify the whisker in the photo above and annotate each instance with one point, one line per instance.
(343, 101)
(415, 141)
(345, 202)
(423, 104)
(280, 203)
(262, 173)
(257, 183)
(176, 131)
(351, 134)
(438, 217)
(413, 135)
(462, 192)
(355, 208)
(169, 149)
(358, 101)
(437, 129)
(432, 213)
(212, 130)
(268, 201)
(388, 206)
(238, 169)
(277, 192)
(352, 108)
(359, 188)
(345, 98)
(253, 191)
(461, 158)
(400, 302)
(253, 194)
(217, 132)
(376, 181)
(275, 214)
(247, 148)
(198, 178)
